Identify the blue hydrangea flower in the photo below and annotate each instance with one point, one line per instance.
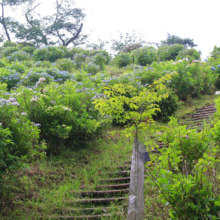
(218, 66)
(212, 68)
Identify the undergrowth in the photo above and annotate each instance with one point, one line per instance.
(42, 189)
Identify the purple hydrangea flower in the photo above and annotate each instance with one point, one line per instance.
(212, 68)
(15, 103)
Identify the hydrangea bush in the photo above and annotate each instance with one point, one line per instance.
(48, 53)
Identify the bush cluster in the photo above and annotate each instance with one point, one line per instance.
(185, 174)
(62, 104)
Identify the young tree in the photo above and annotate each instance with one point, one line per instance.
(173, 39)
(101, 45)
(125, 40)
(62, 27)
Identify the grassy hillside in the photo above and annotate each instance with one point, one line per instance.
(54, 138)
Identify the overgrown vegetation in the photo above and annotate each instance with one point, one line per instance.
(56, 101)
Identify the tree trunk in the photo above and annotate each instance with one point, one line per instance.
(3, 23)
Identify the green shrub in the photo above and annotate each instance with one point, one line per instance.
(18, 55)
(145, 55)
(74, 51)
(103, 52)
(65, 64)
(6, 159)
(2, 63)
(100, 59)
(167, 106)
(9, 50)
(184, 175)
(9, 44)
(43, 64)
(25, 44)
(65, 112)
(191, 54)
(48, 53)
(215, 53)
(91, 68)
(9, 77)
(191, 144)
(29, 49)
(19, 137)
(18, 67)
(217, 72)
(192, 80)
(169, 52)
(123, 59)
(79, 60)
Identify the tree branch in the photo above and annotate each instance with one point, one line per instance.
(44, 39)
(3, 22)
(61, 38)
(26, 15)
(76, 36)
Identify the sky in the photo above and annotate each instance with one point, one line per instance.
(196, 19)
(152, 19)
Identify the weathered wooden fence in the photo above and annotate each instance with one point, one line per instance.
(136, 190)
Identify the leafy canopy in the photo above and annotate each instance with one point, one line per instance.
(173, 39)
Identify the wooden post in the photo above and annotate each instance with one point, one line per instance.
(136, 190)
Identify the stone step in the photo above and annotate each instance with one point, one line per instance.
(116, 186)
(93, 210)
(102, 193)
(124, 167)
(97, 201)
(119, 173)
(85, 216)
(116, 180)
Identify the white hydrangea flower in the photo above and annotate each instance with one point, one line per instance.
(174, 63)
(186, 59)
(23, 113)
(0, 124)
(33, 100)
(53, 102)
(37, 84)
(66, 109)
(217, 93)
(48, 108)
(42, 79)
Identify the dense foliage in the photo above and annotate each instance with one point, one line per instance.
(52, 98)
